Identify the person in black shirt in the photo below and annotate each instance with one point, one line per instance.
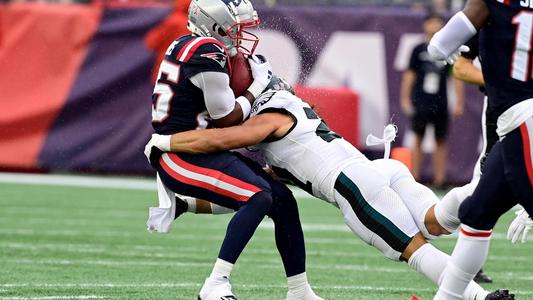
(424, 98)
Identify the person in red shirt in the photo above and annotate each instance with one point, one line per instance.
(159, 38)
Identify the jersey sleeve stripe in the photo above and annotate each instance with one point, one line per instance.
(526, 130)
(188, 50)
(208, 179)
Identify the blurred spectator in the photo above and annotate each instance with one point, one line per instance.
(174, 26)
(424, 99)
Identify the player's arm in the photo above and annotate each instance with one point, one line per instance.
(408, 80)
(253, 131)
(465, 70)
(447, 43)
(213, 79)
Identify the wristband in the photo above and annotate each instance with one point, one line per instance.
(255, 89)
(246, 107)
(162, 142)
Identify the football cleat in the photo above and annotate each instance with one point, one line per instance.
(217, 288)
(482, 277)
(500, 295)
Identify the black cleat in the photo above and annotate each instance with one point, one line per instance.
(500, 295)
(181, 207)
(482, 277)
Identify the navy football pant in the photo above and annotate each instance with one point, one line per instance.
(507, 179)
(231, 180)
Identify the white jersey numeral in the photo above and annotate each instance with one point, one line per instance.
(521, 57)
(161, 105)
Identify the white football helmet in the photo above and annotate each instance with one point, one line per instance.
(226, 21)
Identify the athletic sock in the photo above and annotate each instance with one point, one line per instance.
(468, 257)
(222, 268)
(191, 203)
(447, 209)
(431, 262)
(243, 225)
(220, 210)
(298, 285)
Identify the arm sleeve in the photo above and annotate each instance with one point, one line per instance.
(455, 33)
(218, 96)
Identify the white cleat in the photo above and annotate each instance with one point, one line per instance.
(308, 294)
(217, 288)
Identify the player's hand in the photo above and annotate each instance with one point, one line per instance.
(161, 142)
(261, 72)
(438, 55)
(519, 227)
(407, 107)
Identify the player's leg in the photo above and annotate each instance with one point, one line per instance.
(418, 125)
(375, 213)
(440, 156)
(224, 179)
(417, 198)
(289, 235)
(517, 149)
(478, 214)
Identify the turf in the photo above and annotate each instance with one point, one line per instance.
(90, 243)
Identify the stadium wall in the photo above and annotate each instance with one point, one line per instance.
(75, 83)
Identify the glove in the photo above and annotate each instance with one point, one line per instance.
(437, 55)
(519, 227)
(261, 72)
(158, 142)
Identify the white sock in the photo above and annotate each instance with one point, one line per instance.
(298, 284)
(431, 262)
(191, 203)
(447, 209)
(220, 210)
(468, 257)
(222, 268)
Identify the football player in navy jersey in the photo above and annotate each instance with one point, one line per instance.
(505, 52)
(380, 200)
(192, 92)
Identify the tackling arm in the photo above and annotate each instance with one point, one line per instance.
(464, 70)
(252, 132)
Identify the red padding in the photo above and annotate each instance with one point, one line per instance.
(339, 108)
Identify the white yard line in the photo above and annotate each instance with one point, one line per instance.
(196, 285)
(104, 182)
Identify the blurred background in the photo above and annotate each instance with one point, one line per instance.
(77, 76)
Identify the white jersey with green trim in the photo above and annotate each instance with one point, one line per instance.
(310, 154)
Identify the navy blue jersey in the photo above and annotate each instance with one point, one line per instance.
(505, 52)
(429, 93)
(177, 104)
(473, 44)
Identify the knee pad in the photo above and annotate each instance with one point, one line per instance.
(262, 200)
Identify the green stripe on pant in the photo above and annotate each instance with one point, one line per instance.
(370, 217)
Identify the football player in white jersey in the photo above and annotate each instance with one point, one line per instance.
(380, 200)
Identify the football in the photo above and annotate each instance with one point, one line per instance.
(241, 74)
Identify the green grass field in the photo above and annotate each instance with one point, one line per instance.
(91, 243)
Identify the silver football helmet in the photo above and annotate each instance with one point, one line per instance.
(226, 21)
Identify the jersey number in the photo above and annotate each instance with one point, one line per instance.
(163, 92)
(521, 54)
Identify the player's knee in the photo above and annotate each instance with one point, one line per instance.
(261, 200)
(475, 216)
(283, 203)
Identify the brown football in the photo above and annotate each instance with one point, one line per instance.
(241, 74)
